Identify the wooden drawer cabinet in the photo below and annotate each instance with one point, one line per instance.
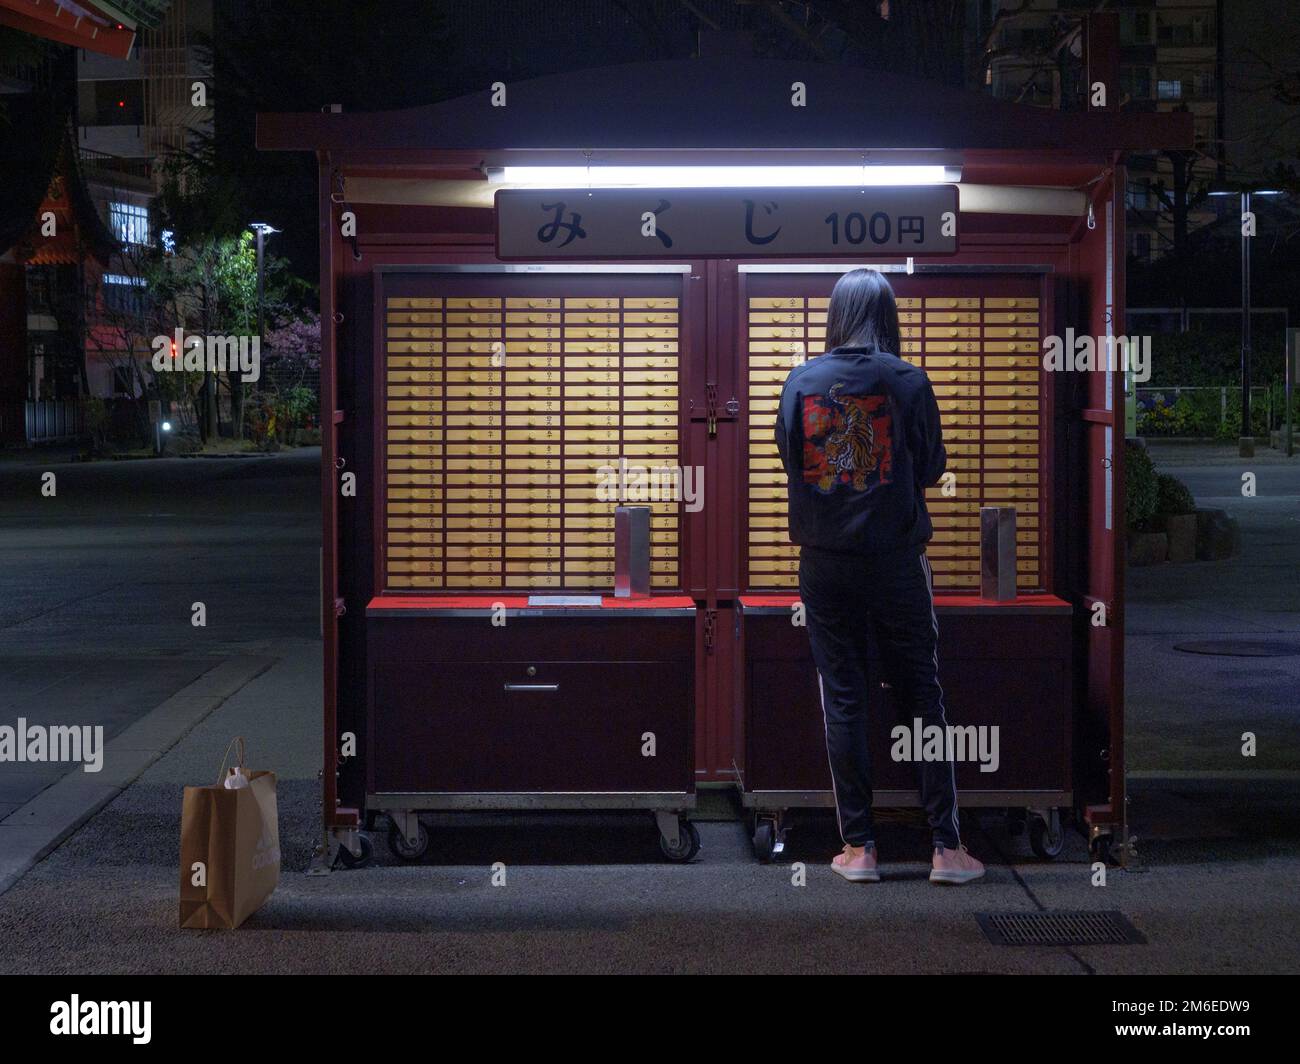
(542, 704)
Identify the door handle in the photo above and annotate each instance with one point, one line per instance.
(532, 687)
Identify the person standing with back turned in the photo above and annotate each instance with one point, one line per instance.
(859, 435)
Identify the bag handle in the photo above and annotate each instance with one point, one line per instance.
(221, 772)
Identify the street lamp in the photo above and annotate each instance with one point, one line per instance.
(262, 229)
(1246, 441)
(160, 432)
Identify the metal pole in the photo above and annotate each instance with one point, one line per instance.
(1246, 442)
(260, 235)
(1292, 356)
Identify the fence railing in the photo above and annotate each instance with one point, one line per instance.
(41, 421)
(102, 165)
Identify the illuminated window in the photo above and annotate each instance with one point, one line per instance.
(129, 222)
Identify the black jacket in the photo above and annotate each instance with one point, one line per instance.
(859, 435)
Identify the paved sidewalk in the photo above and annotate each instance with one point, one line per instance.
(62, 798)
(1186, 713)
(589, 894)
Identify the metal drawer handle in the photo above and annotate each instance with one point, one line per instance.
(532, 687)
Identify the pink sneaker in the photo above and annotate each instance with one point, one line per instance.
(954, 866)
(856, 865)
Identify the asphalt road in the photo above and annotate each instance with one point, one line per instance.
(1187, 713)
(100, 580)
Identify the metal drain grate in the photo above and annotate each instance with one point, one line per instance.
(1059, 929)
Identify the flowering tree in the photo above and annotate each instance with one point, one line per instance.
(295, 345)
(287, 391)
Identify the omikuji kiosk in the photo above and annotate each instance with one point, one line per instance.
(485, 353)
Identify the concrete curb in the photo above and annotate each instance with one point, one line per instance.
(37, 828)
(1241, 777)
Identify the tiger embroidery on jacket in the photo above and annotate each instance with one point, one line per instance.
(851, 450)
(847, 440)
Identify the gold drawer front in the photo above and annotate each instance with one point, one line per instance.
(501, 412)
(982, 355)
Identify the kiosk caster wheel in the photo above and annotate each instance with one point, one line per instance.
(1101, 848)
(688, 843)
(403, 850)
(764, 840)
(345, 858)
(1047, 836)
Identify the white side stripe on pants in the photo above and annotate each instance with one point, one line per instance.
(929, 586)
(821, 689)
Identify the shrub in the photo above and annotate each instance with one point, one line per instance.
(1173, 496)
(1186, 414)
(259, 423)
(297, 406)
(1140, 489)
(97, 422)
(1231, 427)
(1166, 415)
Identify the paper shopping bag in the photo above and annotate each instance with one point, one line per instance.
(230, 848)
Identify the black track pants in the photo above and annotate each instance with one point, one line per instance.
(847, 601)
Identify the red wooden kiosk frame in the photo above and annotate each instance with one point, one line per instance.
(416, 181)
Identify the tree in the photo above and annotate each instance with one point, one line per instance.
(122, 331)
(212, 277)
(211, 286)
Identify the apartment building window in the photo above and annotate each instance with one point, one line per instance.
(129, 222)
(1135, 82)
(1195, 31)
(1169, 89)
(1204, 82)
(41, 289)
(1135, 27)
(1140, 246)
(123, 294)
(1140, 196)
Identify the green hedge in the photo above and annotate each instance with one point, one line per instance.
(1211, 358)
(1214, 357)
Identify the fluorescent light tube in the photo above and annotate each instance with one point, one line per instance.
(720, 176)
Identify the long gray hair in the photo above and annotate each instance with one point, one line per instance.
(863, 313)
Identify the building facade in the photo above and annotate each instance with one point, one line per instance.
(132, 114)
(1171, 59)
